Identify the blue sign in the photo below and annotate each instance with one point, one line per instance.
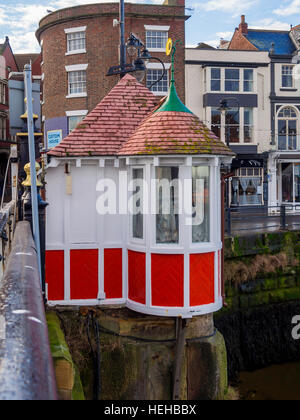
(54, 138)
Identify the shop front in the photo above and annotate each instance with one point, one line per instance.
(289, 182)
(248, 185)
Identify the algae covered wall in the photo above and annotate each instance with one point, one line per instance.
(262, 283)
(122, 355)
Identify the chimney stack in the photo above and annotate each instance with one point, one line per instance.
(243, 28)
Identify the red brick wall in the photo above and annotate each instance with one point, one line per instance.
(102, 44)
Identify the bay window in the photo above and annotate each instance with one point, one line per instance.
(231, 80)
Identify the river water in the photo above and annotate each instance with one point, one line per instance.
(278, 382)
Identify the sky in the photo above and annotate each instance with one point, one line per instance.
(210, 19)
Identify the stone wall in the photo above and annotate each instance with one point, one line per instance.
(262, 274)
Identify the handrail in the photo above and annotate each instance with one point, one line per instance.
(26, 366)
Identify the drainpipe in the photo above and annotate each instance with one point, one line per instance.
(122, 37)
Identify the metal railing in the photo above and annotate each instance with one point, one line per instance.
(27, 371)
(262, 218)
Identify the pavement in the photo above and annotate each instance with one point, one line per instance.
(243, 223)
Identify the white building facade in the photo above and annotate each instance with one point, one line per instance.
(250, 99)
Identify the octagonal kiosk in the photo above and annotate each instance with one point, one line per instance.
(159, 250)
(174, 235)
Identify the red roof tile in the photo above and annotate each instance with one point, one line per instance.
(171, 132)
(111, 123)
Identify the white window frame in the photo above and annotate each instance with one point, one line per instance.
(80, 113)
(241, 126)
(292, 76)
(157, 66)
(297, 119)
(132, 239)
(241, 80)
(156, 28)
(73, 31)
(69, 69)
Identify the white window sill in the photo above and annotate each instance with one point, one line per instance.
(231, 93)
(76, 52)
(156, 50)
(77, 95)
(160, 93)
(293, 89)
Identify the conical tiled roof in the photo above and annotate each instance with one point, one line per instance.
(173, 132)
(173, 129)
(111, 123)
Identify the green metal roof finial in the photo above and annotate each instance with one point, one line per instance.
(173, 103)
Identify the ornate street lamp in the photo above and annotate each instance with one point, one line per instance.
(134, 47)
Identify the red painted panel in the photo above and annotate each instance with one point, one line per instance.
(113, 273)
(137, 276)
(55, 274)
(202, 275)
(84, 274)
(167, 273)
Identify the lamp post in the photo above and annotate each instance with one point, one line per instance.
(133, 46)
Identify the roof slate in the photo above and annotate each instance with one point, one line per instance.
(263, 41)
(111, 123)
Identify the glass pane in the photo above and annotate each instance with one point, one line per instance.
(216, 122)
(153, 76)
(248, 116)
(248, 80)
(292, 134)
(167, 218)
(248, 86)
(287, 182)
(248, 134)
(215, 73)
(74, 121)
(233, 116)
(232, 86)
(201, 205)
(137, 217)
(248, 74)
(233, 74)
(282, 128)
(297, 182)
(215, 85)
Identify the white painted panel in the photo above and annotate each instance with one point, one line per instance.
(112, 226)
(55, 211)
(83, 213)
